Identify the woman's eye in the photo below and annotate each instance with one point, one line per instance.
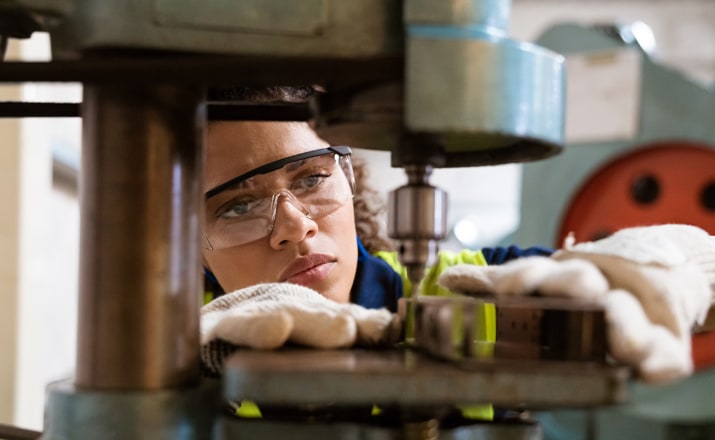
(311, 181)
(238, 208)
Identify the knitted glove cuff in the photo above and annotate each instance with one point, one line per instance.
(262, 292)
(266, 316)
(213, 355)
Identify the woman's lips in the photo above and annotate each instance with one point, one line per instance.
(308, 270)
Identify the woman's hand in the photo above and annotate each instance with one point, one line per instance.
(655, 283)
(266, 316)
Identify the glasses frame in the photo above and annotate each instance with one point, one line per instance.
(342, 151)
(278, 164)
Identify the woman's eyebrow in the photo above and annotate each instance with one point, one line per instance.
(292, 166)
(253, 181)
(242, 184)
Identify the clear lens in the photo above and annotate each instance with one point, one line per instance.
(246, 211)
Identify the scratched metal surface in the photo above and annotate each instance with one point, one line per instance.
(407, 378)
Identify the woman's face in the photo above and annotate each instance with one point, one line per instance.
(318, 253)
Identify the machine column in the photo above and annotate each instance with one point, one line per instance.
(141, 221)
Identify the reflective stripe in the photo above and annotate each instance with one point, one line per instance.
(248, 410)
(477, 412)
(447, 259)
(391, 259)
(485, 328)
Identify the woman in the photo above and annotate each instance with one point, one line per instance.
(283, 206)
(280, 209)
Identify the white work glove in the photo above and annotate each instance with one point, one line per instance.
(266, 316)
(655, 283)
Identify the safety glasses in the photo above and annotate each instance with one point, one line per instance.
(244, 208)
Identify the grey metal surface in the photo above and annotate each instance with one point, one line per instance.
(404, 377)
(186, 413)
(272, 17)
(236, 429)
(492, 14)
(140, 223)
(341, 29)
(479, 89)
(476, 84)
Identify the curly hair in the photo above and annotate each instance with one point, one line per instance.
(261, 95)
(369, 212)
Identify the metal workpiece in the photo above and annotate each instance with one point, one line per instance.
(409, 379)
(528, 328)
(187, 413)
(140, 218)
(47, 9)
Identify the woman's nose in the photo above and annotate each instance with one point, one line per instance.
(291, 223)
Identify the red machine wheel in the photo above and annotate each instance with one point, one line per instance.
(668, 182)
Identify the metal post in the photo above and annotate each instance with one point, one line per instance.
(140, 237)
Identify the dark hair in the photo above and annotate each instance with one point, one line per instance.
(369, 212)
(260, 95)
